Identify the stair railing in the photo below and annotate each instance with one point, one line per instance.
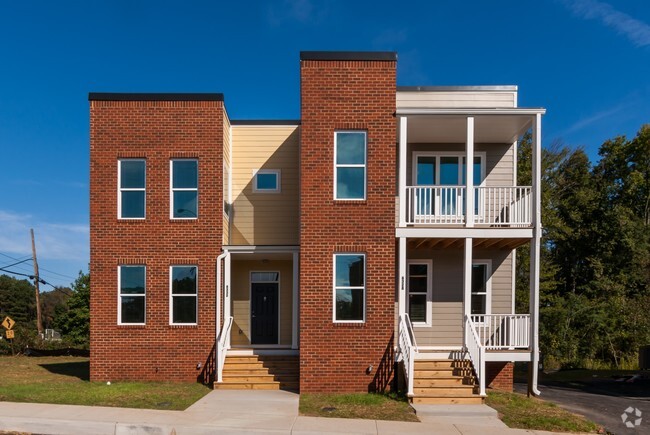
(407, 349)
(222, 347)
(476, 351)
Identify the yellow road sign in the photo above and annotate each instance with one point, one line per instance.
(9, 333)
(8, 322)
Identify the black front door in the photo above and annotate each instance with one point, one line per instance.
(264, 313)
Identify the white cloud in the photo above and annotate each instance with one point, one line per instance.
(635, 30)
(55, 241)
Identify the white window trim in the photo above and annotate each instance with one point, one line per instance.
(119, 294)
(345, 165)
(429, 306)
(278, 177)
(438, 155)
(173, 189)
(364, 287)
(120, 189)
(488, 285)
(250, 300)
(172, 296)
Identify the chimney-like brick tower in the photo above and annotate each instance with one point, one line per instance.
(347, 91)
(155, 128)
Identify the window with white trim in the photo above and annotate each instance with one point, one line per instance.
(184, 295)
(419, 291)
(132, 295)
(349, 287)
(480, 302)
(131, 175)
(350, 165)
(184, 189)
(266, 180)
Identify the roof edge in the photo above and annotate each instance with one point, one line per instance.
(117, 96)
(264, 122)
(349, 55)
(457, 88)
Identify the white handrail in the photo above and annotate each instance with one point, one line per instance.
(407, 349)
(222, 347)
(502, 331)
(476, 352)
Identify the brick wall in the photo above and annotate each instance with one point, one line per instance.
(350, 95)
(499, 375)
(156, 131)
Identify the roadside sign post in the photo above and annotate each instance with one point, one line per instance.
(8, 323)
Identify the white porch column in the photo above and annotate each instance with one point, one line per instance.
(296, 300)
(402, 170)
(401, 294)
(469, 173)
(226, 293)
(535, 250)
(467, 283)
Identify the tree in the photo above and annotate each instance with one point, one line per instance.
(17, 300)
(74, 323)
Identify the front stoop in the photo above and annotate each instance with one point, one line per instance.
(445, 382)
(260, 372)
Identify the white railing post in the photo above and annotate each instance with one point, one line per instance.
(481, 379)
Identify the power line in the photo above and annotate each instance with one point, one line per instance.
(41, 268)
(56, 273)
(42, 281)
(17, 273)
(13, 264)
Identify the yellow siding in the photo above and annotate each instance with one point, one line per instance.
(456, 99)
(265, 218)
(241, 287)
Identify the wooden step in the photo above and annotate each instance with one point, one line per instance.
(256, 385)
(475, 400)
(442, 381)
(441, 364)
(259, 365)
(447, 391)
(262, 358)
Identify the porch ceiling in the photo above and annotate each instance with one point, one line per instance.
(459, 243)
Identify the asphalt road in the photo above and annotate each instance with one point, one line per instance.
(602, 401)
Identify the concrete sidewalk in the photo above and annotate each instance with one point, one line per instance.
(225, 412)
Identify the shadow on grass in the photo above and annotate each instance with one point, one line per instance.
(79, 370)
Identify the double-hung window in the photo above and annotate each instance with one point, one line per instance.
(349, 287)
(419, 291)
(481, 283)
(132, 186)
(184, 189)
(132, 295)
(350, 165)
(184, 295)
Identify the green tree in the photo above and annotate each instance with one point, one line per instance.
(18, 301)
(74, 323)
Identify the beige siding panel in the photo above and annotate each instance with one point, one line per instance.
(241, 287)
(457, 99)
(265, 218)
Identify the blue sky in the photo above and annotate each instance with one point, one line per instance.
(586, 61)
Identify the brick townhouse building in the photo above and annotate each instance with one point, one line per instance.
(337, 252)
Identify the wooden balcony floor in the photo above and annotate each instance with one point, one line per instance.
(459, 243)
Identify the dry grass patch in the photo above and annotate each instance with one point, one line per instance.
(64, 380)
(357, 405)
(519, 411)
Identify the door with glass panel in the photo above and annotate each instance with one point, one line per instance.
(419, 291)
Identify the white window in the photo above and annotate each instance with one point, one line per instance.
(350, 165)
(184, 189)
(183, 295)
(481, 287)
(419, 292)
(132, 295)
(266, 180)
(349, 287)
(131, 176)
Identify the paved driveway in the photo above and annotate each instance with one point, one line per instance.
(602, 401)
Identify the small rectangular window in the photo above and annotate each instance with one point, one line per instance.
(480, 303)
(184, 189)
(132, 186)
(132, 303)
(184, 295)
(350, 165)
(349, 287)
(266, 180)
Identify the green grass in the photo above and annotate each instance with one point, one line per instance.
(357, 405)
(519, 411)
(64, 380)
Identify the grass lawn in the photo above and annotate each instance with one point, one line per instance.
(519, 411)
(357, 405)
(64, 380)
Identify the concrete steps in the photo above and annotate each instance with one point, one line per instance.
(444, 382)
(260, 372)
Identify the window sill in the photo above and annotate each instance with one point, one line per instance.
(132, 325)
(349, 324)
(184, 326)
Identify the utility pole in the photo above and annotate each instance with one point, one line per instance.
(39, 323)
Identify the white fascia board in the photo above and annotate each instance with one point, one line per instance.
(460, 233)
(264, 249)
(507, 356)
(405, 111)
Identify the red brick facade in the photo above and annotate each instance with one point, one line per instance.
(346, 95)
(156, 131)
(499, 375)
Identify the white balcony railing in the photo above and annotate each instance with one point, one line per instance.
(502, 331)
(445, 205)
(407, 350)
